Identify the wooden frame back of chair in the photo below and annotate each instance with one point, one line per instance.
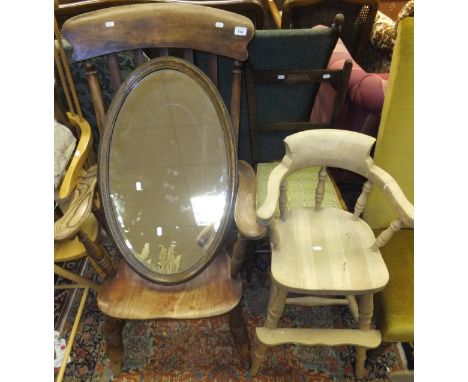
(359, 19)
(276, 75)
(252, 9)
(162, 26)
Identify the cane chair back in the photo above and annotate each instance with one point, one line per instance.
(359, 17)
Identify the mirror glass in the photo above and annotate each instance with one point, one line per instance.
(168, 172)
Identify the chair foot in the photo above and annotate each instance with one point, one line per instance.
(259, 355)
(112, 331)
(239, 334)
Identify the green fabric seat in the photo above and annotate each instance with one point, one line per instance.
(301, 188)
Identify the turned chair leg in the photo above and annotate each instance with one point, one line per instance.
(274, 312)
(239, 334)
(366, 309)
(238, 255)
(112, 331)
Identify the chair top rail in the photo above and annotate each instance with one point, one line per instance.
(176, 25)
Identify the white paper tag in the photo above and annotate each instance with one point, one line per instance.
(326, 76)
(281, 76)
(219, 24)
(77, 153)
(109, 24)
(240, 31)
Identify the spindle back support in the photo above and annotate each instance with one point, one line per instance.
(163, 27)
(342, 149)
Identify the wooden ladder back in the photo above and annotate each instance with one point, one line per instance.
(161, 28)
(337, 78)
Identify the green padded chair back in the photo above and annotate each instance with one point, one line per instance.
(283, 73)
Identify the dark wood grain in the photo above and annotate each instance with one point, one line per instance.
(213, 292)
(164, 25)
(253, 9)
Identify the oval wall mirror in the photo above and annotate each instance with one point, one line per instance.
(167, 170)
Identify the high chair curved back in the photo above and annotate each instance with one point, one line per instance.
(327, 252)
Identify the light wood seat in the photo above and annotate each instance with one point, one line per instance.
(213, 292)
(328, 252)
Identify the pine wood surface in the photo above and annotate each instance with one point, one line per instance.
(327, 252)
(73, 249)
(244, 213)
(147, 25)
(211, 293)
(325, 337)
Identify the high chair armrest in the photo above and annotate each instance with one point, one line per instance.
(80, 207)
(394, 194)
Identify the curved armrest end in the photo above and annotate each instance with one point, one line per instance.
(80, 207)
(394, 194)
(74, 170)
(244, 210)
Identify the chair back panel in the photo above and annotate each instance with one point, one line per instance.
(329, 148)
(283, 73)
(120, 33)
(357, 27)
(146, 25)
(252, 9)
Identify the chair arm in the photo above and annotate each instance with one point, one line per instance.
(81, 154)
(267, 209)
(244, 210)
(392, 191)
(80, 207)
(275, 13)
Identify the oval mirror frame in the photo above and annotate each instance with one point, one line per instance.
(132, 81)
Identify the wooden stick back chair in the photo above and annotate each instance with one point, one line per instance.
(188, 30)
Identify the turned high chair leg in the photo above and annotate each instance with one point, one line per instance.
(366, 309)
(274, 312)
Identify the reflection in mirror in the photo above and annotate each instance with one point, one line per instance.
(168, 171)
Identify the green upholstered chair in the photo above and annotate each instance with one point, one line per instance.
(283, 73)
(394, 306)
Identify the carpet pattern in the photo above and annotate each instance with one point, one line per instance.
(203, 350)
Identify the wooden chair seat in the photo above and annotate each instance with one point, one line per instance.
(129, 296)
(73, 249)
(311, 259)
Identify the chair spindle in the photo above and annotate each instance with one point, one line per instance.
(213, 68)
(386, 235)
(96, 96)
(362, 200)
(320, 188)
(235, 98)
(138, 57)
(283, 199)
(163, 52)
(188, 55)
(114, 69)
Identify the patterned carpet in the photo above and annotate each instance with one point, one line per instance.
(203, 350)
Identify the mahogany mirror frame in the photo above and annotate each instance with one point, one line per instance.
(132, 81)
